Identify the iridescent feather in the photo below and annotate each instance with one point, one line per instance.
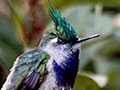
(30, 70)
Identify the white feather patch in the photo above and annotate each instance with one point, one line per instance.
(57, 52)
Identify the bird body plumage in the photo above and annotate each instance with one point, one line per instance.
(44, 67)
(53, 65)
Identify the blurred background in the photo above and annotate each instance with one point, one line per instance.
(23, 22)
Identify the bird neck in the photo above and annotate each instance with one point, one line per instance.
(67, 70)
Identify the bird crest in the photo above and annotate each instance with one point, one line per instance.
(62, 29)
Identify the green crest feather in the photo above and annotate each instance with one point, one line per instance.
(66, 32)
(62, 28)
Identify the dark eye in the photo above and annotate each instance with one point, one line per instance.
(61, 41)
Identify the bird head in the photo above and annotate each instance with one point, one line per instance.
(63, 33)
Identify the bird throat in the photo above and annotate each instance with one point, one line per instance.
(67, 70)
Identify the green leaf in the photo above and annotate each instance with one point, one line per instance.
(85, 83)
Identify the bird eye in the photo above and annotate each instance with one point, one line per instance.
(61, 41)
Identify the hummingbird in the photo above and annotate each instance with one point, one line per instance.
(53, 65)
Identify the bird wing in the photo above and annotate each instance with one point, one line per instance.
(28, 72)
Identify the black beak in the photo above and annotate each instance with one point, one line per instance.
(87, 38)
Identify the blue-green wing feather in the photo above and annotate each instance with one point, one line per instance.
(28, 70)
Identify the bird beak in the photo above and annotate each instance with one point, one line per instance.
(87, 38)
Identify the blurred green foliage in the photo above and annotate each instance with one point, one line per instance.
(22, 29)
(9, 47)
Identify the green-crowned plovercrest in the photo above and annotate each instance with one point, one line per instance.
(53, 65)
